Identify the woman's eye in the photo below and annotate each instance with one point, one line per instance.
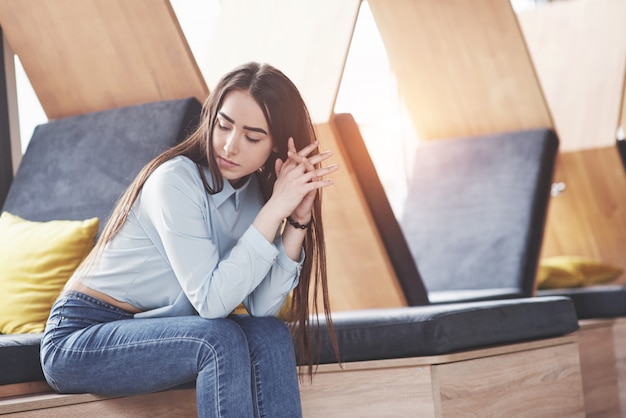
(254, 140)
(222, 127)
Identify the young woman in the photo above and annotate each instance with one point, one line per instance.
(230, 215)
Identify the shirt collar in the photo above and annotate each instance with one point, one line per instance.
(228, 190)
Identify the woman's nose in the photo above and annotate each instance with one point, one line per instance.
(230, 146)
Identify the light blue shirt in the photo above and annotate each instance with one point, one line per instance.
(183, 251)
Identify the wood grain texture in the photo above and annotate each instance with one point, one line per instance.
(534, 379)
(462, 67)
(619, 338)
(578, 48)
(377, 392)
(27, 388)
(360, 273)
(598, 366)
(89, 55)
(589, 217)
(173, 403)
(535, 383)
(307, 40)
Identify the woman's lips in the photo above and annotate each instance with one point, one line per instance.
(225, 163)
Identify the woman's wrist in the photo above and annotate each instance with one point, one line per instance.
(299, 224)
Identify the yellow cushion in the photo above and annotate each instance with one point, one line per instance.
(574, 271)
(36, 260)
(282, 314)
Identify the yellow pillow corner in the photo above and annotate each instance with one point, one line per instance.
(36, 260)
(559, 272)
(283, 314)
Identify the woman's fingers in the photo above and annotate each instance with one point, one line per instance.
(311, 162)
(304, 152)
(309, 166)
(316, 175)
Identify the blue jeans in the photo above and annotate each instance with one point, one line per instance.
(243, 366)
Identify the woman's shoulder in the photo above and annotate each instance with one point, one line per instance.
(178, 171)
(176, 163)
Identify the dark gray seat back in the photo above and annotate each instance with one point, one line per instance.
(474, 217)
(76, 168)
(476, 209)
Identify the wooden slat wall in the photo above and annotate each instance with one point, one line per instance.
(589, 217)
(89, 55)
(361, 275)
(309, 42)
(462, 66)
(579, 50)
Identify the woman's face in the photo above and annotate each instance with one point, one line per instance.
(241, 139)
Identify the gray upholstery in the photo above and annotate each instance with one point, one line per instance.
(474, 215)
(602, 301)
(438, 329)
(76, 168)
(19, 358)
(476, 209)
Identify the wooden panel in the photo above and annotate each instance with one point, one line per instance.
(307, 40)
(579, 51)
(27, 388)
(462, 66)
(360, 273)
(376, 392)
(619, 336)
(535, 383)
(173, 403)
(589, 217)
(539, 378)
(598, 365)
(90, 55)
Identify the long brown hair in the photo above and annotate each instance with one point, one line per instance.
(287, 116)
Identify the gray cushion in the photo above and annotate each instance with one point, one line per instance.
(476, 208)
(384, 333)
(438, 329)
(76, 168)
(19, 358)
(606, 301)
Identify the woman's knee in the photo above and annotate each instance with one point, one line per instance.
(265, 330)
